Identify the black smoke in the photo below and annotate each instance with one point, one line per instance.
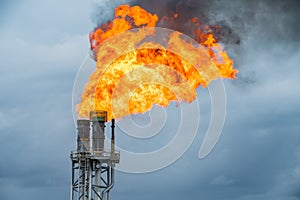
(237, 24)
(186, 10)
(278, 18)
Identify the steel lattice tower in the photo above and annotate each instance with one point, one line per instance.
(92, 165)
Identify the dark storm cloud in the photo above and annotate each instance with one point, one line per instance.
(33, 124)
(270, 26)
(257, 156)
(269, 22)
(36, 79)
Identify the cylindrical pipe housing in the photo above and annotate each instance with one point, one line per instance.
(98, 119)
(83, 138)
(112, 136)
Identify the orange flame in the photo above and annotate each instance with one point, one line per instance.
(126, 18)
(133, 74)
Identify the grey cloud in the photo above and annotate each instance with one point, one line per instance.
(259, 146)
(104, 10)
(36, 114)
(221, 181)
(257, 156)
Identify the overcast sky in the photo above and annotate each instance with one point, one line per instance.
(42, 44)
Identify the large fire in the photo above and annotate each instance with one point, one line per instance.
(133, 72)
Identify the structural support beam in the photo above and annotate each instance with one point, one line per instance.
(92, 175)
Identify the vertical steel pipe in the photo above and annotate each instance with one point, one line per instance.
(98, 119)
(83, 138)
(112, 148)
